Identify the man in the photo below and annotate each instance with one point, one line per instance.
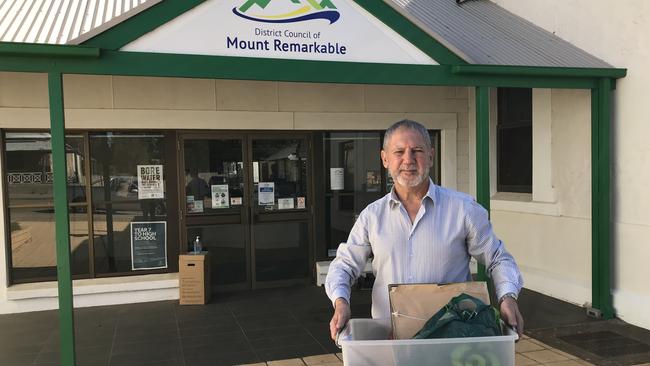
(419, 233)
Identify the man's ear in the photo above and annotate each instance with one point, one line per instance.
(433, 155)
(384, 158)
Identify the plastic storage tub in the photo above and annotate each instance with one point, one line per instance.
(365, 342)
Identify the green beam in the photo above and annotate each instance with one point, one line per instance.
(246, 68)
(538, 71)
(595, 249)
(62, 224)
(483, 155)
(47, 50)
(600, 199)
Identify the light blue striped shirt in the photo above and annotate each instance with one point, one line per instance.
(436, 248)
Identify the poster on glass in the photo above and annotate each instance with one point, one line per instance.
(220, 196)
(266, 193)
(150, 182)
(148, 245)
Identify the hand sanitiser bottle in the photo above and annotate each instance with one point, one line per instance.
(197, 245)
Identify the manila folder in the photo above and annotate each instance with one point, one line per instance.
(412, 305)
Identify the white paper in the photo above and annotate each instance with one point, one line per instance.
(266, 193)
(235, 201)
(336, 179)
(150, 182)
(301, 202)
(220, 196)
(256, 172)
(285, 203)
(195, 206)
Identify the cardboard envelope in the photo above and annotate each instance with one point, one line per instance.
(411, 305)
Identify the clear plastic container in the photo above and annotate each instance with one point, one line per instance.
(365, 342)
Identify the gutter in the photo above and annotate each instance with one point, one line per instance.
(539, 71)
(47, 50)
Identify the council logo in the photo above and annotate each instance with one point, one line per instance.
(287, 11)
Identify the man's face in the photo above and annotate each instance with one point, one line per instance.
(407, 158)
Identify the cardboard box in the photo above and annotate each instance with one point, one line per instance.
(194, 278)
(411, 305)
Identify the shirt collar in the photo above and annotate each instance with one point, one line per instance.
(431, 194)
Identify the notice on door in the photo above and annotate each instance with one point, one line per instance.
(336, 179)
(266, 193)
(148, 245)
(150, 182)
(285, 203)
(220, 196)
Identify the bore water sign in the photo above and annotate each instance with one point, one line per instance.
(326, 30)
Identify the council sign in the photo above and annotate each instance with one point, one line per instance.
(326, 30)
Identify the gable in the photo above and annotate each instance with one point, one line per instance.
(325, 30)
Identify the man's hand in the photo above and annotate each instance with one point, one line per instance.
(511, 315)
(340, 318)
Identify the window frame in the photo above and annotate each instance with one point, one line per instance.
(503, 124)
(172, 229)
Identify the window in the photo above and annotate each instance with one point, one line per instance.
(102, 195)
(116, 204)
(29, 178)
(514, 140)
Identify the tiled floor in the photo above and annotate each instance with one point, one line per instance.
(287, 326)
(245, 327)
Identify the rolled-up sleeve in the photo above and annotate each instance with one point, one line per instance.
(350, 260)
(488, 250)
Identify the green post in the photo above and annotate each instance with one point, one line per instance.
(601, 296)
(62, 224)
(483, 155)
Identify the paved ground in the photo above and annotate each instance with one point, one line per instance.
(284, 327)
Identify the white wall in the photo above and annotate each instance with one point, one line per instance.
(619, 33)
(549, 231)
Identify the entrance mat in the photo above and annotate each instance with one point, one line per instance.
(605, 342)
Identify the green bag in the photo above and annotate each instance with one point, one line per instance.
(463, 316)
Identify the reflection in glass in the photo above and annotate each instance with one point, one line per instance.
(29, 168)
(114, 161)
(214, 175)
(227, 251)
(281, 251)
(112, 240)
(357, 153)
(282, 162)
(33, 246)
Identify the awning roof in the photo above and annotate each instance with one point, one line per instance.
(63, 21)
(481, 32)
(478, 31)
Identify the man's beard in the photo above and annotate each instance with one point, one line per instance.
(413, 182)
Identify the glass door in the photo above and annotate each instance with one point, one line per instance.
(247, 197)
(216, 205)
(280, 209)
